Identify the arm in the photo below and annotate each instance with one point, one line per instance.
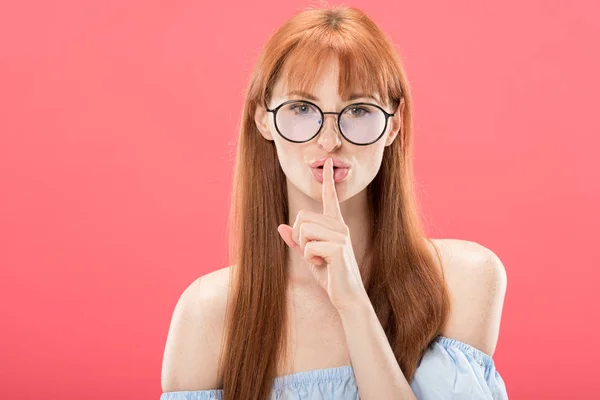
(477, 284)
(378, 375)
(190, 355)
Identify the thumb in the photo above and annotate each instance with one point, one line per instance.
(285, 231)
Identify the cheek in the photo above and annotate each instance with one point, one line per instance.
(289, 156)
(370, 165)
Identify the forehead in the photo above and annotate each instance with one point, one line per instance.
(313, 97)
(318, 78)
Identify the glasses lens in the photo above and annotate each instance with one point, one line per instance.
(298, 121)
(362, 123)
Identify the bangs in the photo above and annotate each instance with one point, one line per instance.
(361, 69)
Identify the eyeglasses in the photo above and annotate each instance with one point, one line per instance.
(300, 121)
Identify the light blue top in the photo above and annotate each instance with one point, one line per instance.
(449, 369)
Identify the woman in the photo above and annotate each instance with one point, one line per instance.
(334, 292)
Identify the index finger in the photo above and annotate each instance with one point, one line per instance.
(331, 205)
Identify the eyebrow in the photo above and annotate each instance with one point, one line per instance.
(309, 96)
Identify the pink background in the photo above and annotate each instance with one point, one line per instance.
(118, 123)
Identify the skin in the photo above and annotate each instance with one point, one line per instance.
(476, 280)
(304, 191)
(322, 335)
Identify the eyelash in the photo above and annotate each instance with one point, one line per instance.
(307, 105)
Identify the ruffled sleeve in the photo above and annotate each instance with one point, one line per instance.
(211, 394)
(451, 369)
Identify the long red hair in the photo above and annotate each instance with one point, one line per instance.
(405, 285)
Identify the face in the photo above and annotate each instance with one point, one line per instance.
(295, 158)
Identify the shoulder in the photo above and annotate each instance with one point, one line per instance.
(192, 348)
(477, 281)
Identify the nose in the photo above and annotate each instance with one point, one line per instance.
(329, 137)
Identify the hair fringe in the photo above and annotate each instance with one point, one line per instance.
(406, 285)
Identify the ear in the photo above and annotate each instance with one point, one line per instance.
(396, 122)
(261, 118)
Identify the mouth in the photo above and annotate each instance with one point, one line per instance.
(339, 173)
(337, 163)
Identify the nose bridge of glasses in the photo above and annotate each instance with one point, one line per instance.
(335, 117)
(325, 137)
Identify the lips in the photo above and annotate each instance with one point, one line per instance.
(337, 163)
(321, 167)
(339, 174)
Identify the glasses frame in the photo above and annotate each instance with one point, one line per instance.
(274, 111)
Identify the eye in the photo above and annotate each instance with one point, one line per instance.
(359, 111)
(301, 108)
(298, 107)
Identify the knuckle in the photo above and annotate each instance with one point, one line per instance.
(302, 228)
(297, 220)
(307, 250)
(345, 230)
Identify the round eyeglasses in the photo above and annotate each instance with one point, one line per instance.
(300, 121)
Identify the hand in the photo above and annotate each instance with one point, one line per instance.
(323, 240)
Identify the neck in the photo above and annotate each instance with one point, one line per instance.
(355, 212)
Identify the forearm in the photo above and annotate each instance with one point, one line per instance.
(378, 375)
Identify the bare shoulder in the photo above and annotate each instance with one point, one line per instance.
(192, 348)
(477, 282)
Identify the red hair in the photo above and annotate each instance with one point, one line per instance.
(405, 285)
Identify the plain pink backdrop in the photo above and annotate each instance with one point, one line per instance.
(118, 125)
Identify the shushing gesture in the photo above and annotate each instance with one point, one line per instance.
(323, 240)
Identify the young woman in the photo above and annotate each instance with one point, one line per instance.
(333, 290)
